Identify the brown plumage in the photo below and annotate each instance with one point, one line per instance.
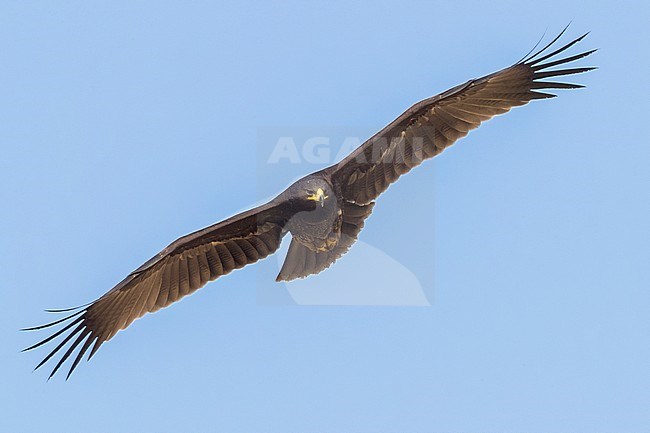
(324, 212)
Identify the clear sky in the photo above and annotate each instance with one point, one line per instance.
(520, 255)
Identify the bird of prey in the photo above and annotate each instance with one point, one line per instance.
(324, 211)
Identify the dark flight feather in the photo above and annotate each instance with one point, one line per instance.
(436, 123)
(145, 290)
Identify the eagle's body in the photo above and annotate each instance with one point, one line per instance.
(317, 229)
(323, 212)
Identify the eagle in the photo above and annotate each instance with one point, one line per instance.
(323, 212)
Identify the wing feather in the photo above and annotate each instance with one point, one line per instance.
(179, 270)
(432, 125)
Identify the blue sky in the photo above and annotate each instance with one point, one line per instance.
(128, 124)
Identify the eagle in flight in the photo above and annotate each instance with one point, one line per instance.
(323, 211)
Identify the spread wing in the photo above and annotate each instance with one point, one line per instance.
(432, 125)
(180, 269)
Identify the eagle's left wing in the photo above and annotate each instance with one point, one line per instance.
(432, 125)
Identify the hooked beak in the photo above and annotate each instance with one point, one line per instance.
(319, 196)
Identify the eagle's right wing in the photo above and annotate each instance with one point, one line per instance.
(184, 266)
